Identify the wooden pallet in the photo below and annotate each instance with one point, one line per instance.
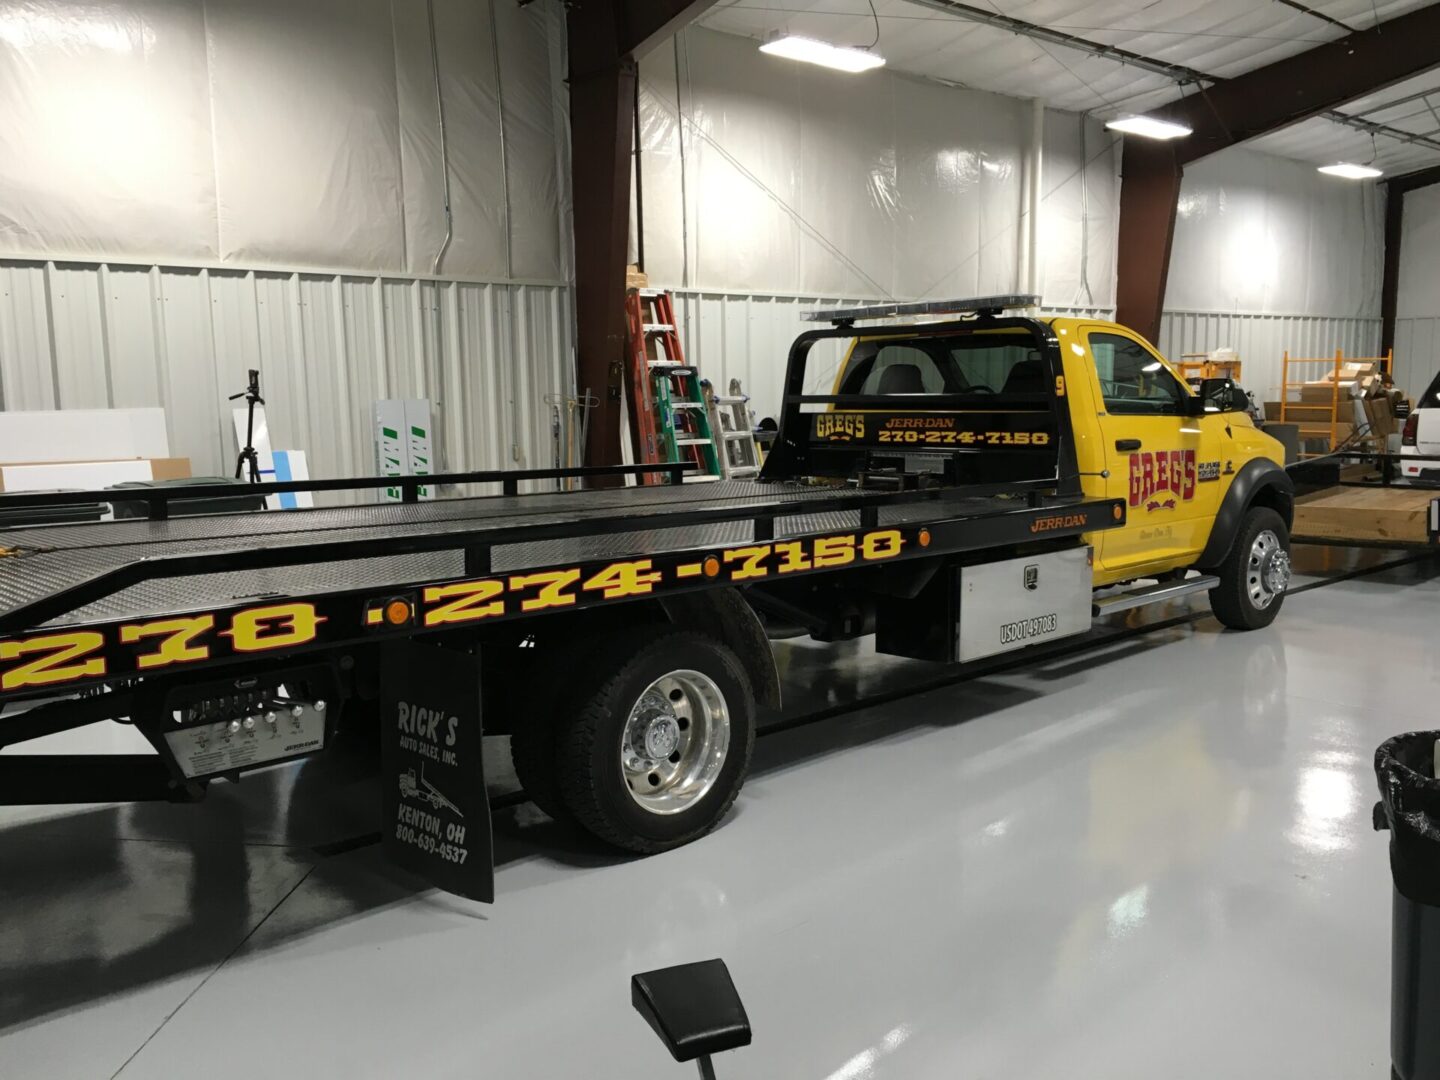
(1365, 515)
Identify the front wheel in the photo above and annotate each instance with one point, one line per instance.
(1255, 573)
(657, 741)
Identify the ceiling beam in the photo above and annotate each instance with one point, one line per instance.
(1178, 73)
(1395, 191)
(1311, 83)
(605, 39)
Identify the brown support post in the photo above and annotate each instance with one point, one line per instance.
(1390, 275)
(605, 37)
(1149, 193)
(601, 126)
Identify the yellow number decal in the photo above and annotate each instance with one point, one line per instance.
(882, 545)
(792, 557)
(464, 601)
(177, 640)
(749, 558)
(276, 626)
(56, 664)
(624, 579)
(834, 551)
(551, 594)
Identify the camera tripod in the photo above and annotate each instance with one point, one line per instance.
(248, 456)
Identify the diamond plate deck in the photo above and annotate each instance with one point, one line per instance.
(56, 559)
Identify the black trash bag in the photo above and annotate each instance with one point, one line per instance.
(1409, 807)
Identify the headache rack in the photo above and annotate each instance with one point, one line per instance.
(1014, 443)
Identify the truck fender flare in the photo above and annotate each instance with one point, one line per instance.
(1254, 478)
(724, 614)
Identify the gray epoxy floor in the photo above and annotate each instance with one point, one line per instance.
(1151, 860)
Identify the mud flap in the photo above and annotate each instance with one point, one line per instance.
(435, 813)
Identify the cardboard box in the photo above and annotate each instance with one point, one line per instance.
(1321, 432)
(635, 278)
(1348, 373)
(1323, 393)
(1380, 416)
(1296, 413)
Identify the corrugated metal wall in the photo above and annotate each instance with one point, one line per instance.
(1261, 340)
(76, 335)
(1417, 353)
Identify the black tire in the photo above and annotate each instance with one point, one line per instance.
(1231, 600)
(589, 776)
(532, 748)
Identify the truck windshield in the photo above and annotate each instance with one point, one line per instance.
(959, 364)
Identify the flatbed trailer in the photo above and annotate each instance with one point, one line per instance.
(1359, 499)
(619, 635)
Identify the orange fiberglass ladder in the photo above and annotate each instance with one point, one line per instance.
(669, 416)
(1318, 417)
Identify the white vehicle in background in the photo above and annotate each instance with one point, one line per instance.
(1421, 436)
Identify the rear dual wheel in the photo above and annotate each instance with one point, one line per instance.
(649, 745)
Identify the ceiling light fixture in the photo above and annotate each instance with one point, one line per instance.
(810, 51)
(1351, 171)
(1148, 127)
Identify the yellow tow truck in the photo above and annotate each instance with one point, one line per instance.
(1205, 489)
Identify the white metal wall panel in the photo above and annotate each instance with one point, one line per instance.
(95, 336)
(27, 370)
(1261, 340)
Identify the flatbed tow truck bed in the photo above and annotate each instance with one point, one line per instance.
(78, 575)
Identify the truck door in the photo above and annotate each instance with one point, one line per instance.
(1161, 462)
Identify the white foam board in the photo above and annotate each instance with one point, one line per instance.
(73, 475)
(83, 435)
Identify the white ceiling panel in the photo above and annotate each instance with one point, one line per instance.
(1223, 38)
(1323, 143)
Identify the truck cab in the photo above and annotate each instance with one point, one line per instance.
(1194, 471)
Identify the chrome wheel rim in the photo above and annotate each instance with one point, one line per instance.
(675, 741)
(1267, 570)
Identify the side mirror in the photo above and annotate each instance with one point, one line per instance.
(1219, 395)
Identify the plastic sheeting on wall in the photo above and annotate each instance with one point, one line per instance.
(786, 177)
(1417, 305)
(281, 133)
(1265, 235)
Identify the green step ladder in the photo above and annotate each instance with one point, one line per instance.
(684, 419)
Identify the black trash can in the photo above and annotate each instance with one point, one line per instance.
(1409, 808)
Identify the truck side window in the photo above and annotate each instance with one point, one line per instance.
(1132, 381)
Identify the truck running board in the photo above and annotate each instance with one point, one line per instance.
(1153, 594)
